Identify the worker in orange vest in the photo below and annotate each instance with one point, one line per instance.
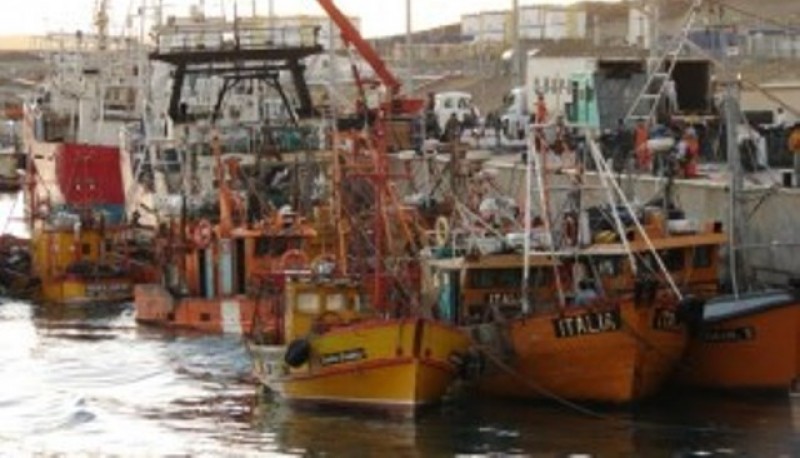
(688, 153)
(644, 159)
(540, 117)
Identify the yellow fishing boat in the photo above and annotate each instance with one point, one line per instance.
(73, 266)
(339, 355)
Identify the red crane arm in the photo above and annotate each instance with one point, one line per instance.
(351, 35)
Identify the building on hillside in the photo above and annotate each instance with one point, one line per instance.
(486, 26)
(772, 42)
(717, 41)
(639, 27)
(536, 22)
(549, 22)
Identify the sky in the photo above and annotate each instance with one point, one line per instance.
(379, 17)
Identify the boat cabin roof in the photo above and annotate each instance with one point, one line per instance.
(666, 243)
(497, 261)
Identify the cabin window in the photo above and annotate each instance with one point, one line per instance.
(673, 259)
(702, 257)
(276, 246)
(589, 93)
(309, 303)
(336, 302)
(609, 267)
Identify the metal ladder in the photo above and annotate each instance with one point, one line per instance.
(646, 103)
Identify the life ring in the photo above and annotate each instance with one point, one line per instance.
(570, 231)
(297, 352)
(203, 233)
(442, 230)
(293, 259)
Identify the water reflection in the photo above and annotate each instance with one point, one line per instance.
(89, 380)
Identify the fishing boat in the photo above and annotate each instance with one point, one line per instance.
(82, 249)
(749, 338)
(223, 276)
(590, 305)
(85, 246)
(235, 215)
(357, 333)
(339, 354)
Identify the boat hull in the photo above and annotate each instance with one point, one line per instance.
(615, 355)
(753, 351)
(397, 366)
(155, 306)
(76, 290)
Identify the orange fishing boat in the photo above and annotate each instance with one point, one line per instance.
(750, 342)
(223, 277)
(747, 340)
(590, 307)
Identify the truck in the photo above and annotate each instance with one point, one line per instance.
(605, 95)
(598, 91)
(547, 76)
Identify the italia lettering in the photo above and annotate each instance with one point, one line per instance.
(587, 324)
(503, 298)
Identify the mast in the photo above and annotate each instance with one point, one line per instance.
(731, 105)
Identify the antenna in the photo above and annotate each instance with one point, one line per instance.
(101, 23)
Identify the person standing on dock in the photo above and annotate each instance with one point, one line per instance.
(671, 94)
(688, 153)
(540, 117)
(644, 158)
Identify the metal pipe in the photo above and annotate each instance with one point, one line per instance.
(516, 64)
(409, 50)
(735, 165)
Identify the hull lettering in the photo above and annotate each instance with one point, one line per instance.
(722, 335)
(341, 357)
(587, 324)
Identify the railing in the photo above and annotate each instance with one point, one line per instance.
(228, 36)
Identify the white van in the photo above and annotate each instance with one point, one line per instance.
(460, 103)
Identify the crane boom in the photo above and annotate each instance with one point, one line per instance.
(352, 36)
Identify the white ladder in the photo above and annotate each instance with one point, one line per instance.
(646, 103)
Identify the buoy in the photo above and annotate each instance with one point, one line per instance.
(297, 353)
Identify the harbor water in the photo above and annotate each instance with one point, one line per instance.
(90, 381)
